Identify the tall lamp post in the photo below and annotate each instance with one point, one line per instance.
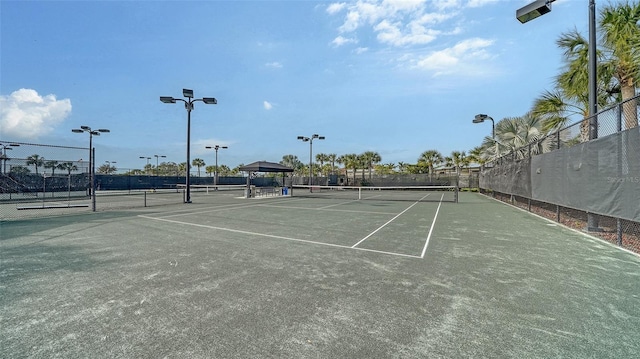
(480, 118)
(158, 156)
(4, 155)
(148, 159)
(310, 140)
(541, 7)
(188, 104)
(92, 170)
(215, 174)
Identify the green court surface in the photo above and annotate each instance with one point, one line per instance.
(281, 277)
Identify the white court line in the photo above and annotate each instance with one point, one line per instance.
(278, 237)
(389, 221)
(433, 224)
(325, 209)
(187, 212)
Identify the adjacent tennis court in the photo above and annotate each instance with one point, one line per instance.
(322, 276)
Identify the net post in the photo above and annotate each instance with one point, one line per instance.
(359, 193)
(456, 194)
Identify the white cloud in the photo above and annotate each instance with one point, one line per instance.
(267, 105)
(397, 22)
(274, 65)
(458, 58)
(480, 3)
(391, 34)
(26, 115)
(361, 50)
(339, 41)
(336, 7)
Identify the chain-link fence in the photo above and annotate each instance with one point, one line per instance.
(586, 176)
(47, 175)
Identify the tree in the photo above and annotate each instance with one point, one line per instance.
(209, 170)
(620, 38)
(370, 158)
(19, 170)
(430, 158)
(106, 169)
(385, 169)
(68, 166)
(224, 170)
(458, 160)
(478, 155)
(292, 161)
(321, 158)
(36, 161)
(198, 162)
(618, 71)
(515, 133)
(350, 161)
(52, 165)
(402, 167)
(332, 158)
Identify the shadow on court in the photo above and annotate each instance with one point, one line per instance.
(281, 278)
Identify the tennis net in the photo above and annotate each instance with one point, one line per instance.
(390, 193)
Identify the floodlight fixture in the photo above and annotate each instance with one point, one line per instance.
(210, 100)
(85, 128)
(167, 99)
(77, 130)
(533, 10)
(187, 93)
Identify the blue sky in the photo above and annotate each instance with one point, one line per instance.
(395, 77)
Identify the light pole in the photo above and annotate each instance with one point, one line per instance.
(541, 7)
(215, 174)
(158, 156)
(310, 140)
(188, 104)
(480, 118)
(147, 166)
(4, 155)
(91, 159)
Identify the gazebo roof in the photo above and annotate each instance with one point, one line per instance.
(264, 166)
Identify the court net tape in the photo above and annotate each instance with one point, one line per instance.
(395, 193)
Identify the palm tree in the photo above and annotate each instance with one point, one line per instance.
(182, 167)
(385, 169)
(430, 158)
(53, 165)
(332, 157)
(322, 158)
(620, 38)
(457, 160)
(479, 156)
(224, 170)
(402, 167)
(515, 133)
(350, 161)
(210, 170)
(68, 166)
(35, 160)
(198, 162)
(370, 158)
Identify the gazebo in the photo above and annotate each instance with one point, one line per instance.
(263, 166)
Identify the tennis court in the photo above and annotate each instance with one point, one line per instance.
(319, 277)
